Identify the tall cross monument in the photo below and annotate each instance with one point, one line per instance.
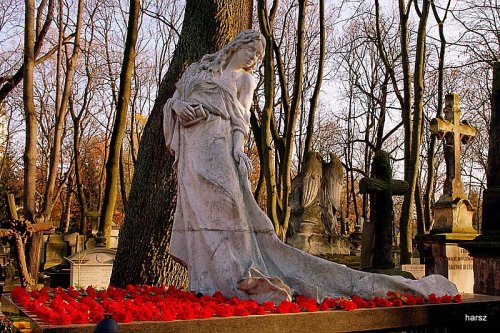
(453, 211)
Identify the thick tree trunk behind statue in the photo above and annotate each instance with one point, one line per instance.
(142, 256)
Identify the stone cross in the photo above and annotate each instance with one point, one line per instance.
(454, 133)
(383, 187)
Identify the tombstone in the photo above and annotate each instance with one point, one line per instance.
(113, 238)
(367, 242)
(9, 272)
(381, 188)
(76, 242)
(315, 201)
(453, 211)
(56, 249)
(485, 249)
(417, 270)
(92, 267)
(4, 254)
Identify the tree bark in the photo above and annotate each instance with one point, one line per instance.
(416, 135)
(142, 255)
(264, 135)
(114, 157)
(60, 116)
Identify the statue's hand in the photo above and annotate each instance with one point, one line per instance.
(243, 162)
(184, 111)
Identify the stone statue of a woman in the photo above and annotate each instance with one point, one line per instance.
(227, 243)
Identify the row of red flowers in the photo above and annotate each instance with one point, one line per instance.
(59, 306)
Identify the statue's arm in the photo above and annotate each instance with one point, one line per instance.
(182, 109)
(246, 87)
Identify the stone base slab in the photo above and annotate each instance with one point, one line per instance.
(454, 317)
(486, 256)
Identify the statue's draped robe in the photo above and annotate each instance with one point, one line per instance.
(226, 241)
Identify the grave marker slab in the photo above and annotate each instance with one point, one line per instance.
(92, 267)
(417, 270)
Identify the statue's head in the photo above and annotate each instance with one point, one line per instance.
(216, 62)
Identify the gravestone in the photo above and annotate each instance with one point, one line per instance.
(9, 272)
(56, 249)
(485, 249)
(76, 242)
(113, 238)
(367, 243)
(453, 211)
(417, 270)
(315, 201)
(381, 188)
(92, 267)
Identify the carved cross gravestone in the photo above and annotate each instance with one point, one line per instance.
(382, 187)
(453, 211)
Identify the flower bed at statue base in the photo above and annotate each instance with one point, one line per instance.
(58, 306)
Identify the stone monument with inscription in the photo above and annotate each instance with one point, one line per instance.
(92, 267)
(453, 211)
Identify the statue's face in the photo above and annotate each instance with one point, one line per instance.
(248, 54)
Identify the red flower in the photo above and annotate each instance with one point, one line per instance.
(396, 302)
(446, 299)
(268, 306)
(433, 299)
(224, 310)
(347, 305)
(382, 302)
(361, 303)
(287, 307)
(306, 304)
(457, 298)
(420, 300)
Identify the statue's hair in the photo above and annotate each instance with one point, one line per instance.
(215, 63)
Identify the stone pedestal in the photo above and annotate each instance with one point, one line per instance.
(312, 238)
(443, 256)
(56, 250)
(453, 217)
(486, 254)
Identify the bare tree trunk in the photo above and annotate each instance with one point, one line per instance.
(60, 118)
(319, 79)
(418, 88)
(429, 188)
(113, 162)
(142, 255)
(264, 135)
(30, 113)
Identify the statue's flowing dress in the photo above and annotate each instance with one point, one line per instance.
(226, 241)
